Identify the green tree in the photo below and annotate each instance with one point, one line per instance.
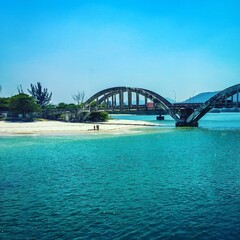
(65, 106)
(50, 106)
(0, 88)
(62, 105)
(72, 106)
(4, 104)
(40, 94)
(23, 104)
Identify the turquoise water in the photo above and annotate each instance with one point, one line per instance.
(174, 184)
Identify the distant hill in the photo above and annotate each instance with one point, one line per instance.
(200, 98)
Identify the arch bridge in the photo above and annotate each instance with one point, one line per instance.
(140, 100)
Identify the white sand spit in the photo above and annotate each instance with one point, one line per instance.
(56, 128)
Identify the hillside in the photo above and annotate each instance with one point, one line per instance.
(201, 97)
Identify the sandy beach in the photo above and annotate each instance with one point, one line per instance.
(59, 128)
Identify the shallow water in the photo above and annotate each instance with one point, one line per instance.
(171, 184)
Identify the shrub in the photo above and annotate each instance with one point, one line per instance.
(98, 117)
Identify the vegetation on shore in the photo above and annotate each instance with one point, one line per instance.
(38, 104)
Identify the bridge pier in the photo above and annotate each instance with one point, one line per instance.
(237, 98)
(137, 100)
(184, 113)
(160, 117)
(145, 102)
(185, 124)
(129, 100)
(121, 100)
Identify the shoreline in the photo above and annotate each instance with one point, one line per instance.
(65, 128)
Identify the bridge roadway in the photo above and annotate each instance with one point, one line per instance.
(120, 100)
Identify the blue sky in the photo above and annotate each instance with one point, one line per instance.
(166, 46)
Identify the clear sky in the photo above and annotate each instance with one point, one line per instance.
(167, 46)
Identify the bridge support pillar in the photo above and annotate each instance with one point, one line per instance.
(112, 103)
(184, 113)
(129, 100)
(145, 103)
(137, 100)
(185, 124)
(121, 100)
(160, 117)
(237, 98)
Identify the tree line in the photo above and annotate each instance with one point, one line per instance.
(38, 101)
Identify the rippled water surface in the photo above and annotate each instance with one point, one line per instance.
(176, 184)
